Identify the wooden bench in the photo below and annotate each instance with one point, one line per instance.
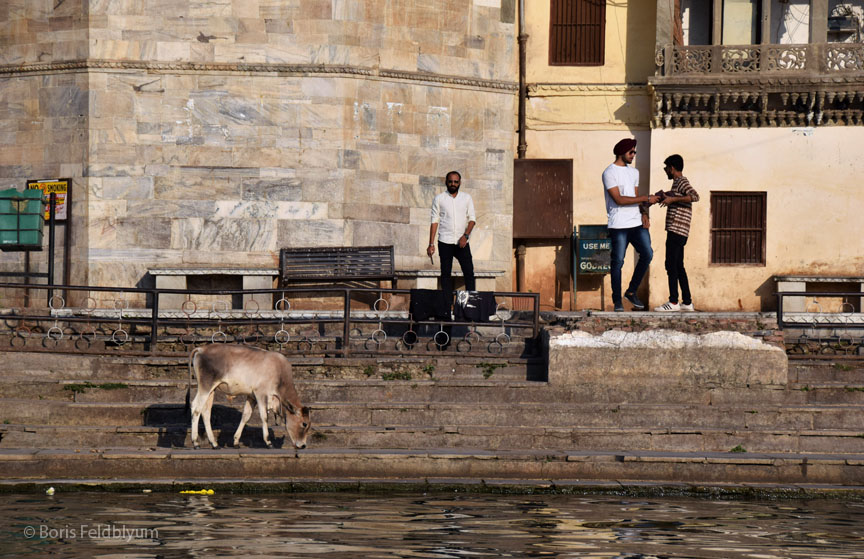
(336, 264)
(801, 283)
(178, 278)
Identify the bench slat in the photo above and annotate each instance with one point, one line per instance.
(337, 263)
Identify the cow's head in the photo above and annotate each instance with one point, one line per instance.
(297, 423)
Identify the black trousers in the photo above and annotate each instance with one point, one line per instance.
(675, 268)
(446, 253)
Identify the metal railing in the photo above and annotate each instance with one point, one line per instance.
(810, 312)
(343, 321)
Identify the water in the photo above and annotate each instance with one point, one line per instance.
(445, 525)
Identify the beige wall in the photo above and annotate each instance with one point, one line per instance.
(579, 113)
(813, 182)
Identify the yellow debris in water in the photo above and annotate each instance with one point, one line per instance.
(198, 492)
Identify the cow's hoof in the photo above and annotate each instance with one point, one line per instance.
(196, 446)
(269, 445)
(236, 444)
(215, 446)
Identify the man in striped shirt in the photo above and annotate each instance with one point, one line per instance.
(679, 210)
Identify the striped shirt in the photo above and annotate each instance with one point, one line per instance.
(678, 215)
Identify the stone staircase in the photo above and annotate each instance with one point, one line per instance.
(431, 419)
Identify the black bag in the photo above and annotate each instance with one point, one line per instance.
(429, 304)
(474, 306)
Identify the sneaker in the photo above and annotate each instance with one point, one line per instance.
(669, 306)
(634, 300)
(619, 307)
(688, 308)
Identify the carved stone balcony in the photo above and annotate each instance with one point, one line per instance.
(759, 85)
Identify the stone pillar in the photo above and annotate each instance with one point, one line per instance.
(765, 23)
(171, 301)
(264, 300)
(793, 304)
(665, 15)
(818, 21)
(717, 23)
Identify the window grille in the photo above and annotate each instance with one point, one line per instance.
(577, 32)
(738, 227)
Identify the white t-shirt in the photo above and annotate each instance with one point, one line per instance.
(626, 179)
(452, 214)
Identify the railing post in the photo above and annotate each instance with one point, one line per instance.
(52, 204)
(154, 323)
(346, 324)
(780, 311)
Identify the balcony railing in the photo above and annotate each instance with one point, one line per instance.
(742, 60)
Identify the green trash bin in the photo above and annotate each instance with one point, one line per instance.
(21, 219)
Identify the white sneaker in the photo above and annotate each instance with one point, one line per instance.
(668, 307)
(688, 308)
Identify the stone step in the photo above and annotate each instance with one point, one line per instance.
(394, 414)
(668, 439)
(45, 366)
(431, 466)
(454, 389)
(174, 391)
(850, 373)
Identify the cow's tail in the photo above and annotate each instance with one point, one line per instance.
(188, 408)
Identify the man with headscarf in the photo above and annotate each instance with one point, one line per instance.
(628, 221)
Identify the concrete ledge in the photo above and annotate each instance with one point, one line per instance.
(630, 362)
(428, 279)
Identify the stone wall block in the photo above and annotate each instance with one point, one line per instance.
(293, 233)
(225, 234)
(630, 361)
(286, 189)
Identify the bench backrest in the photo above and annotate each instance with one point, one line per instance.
(336, 264)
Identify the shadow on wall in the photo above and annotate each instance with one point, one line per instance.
(639, 48)
(766, 293)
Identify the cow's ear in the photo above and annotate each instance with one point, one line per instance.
(306, 411)
(289, 407)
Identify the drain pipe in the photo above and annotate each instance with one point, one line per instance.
(522, 147)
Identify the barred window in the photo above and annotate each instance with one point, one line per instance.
(577, 32)
(738, 227)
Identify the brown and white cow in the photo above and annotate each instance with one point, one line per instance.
(264, 377)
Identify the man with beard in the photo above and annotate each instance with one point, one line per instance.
(452, 221)
(628, 221)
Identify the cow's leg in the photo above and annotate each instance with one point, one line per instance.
(208, 407)
(262, 411)
(197, 405)
(247, 413)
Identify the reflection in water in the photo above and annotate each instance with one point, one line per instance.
(424, 526)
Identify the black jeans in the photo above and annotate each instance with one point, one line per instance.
(675, 268)
(446, 253)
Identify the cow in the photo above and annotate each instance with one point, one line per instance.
(264, 377)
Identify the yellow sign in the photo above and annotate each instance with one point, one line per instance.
(60, 187)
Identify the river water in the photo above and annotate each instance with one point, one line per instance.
(434, 525)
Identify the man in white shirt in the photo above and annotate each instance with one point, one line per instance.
(452, 221)
(628, 221)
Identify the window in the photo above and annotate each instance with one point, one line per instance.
(738, 227)
(577, 32)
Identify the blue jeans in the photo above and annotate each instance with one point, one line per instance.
(641, 241)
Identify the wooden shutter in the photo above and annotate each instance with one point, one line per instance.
(738, 227)
(577, 32)
(542, 198)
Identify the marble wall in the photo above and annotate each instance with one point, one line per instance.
(216, 132)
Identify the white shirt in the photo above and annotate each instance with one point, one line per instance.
(452, 215)
(626, 179)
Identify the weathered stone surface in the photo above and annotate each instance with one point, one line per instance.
(632, 361)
